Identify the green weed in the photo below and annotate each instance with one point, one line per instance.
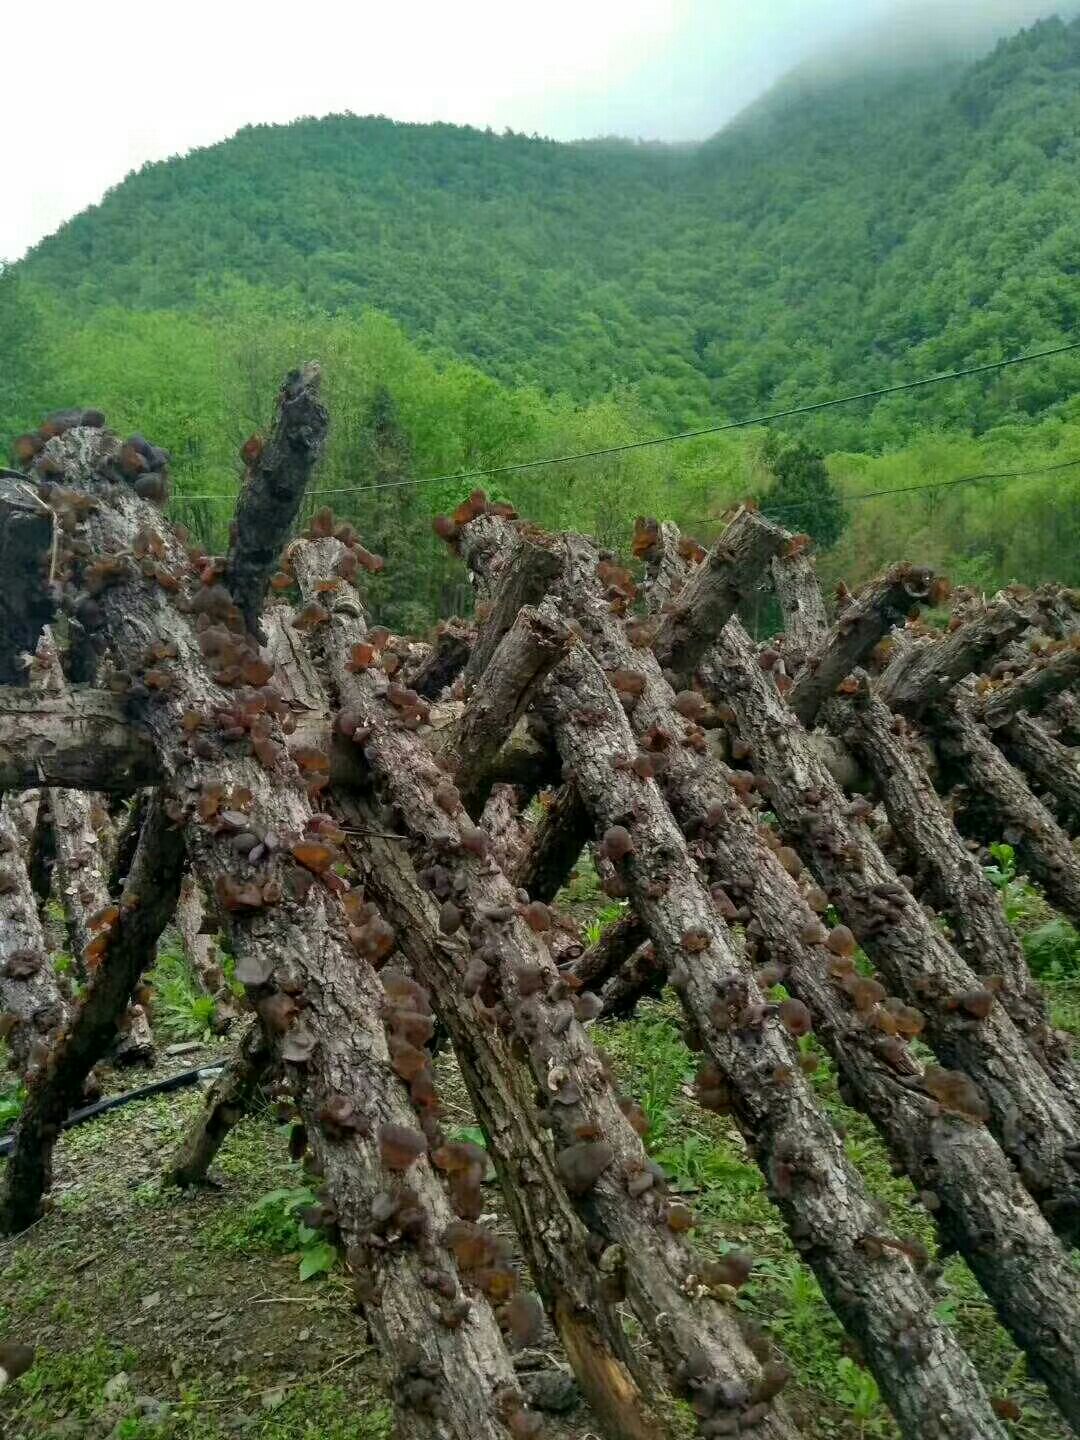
(181, 1010)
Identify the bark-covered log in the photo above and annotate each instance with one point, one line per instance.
(508, 828)
(1032, 689)
(1062, 717)
(229, 1098)
(450, 651)
(659, 1271)
(996, 803)
(1052, 767)
(643, 975)
(948, 875)
(26, 602)
(965, 1025)
(616, 945)
(498, 698)
(199, 946)
(284, 934)
(806, 622)
(32, 1006)
(81, 740)
(144, 910)
(555, 843)
(522, 581)
(737, 564)
(667, 570)
(553, 1236)
(920, 676)
(864, 621)
(929, 1382)
(276, 477)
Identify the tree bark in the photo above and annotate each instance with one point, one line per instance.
(521, 580)
(81, 740)
(273, 491)
(737, 564)
(26, 604)
(500, 694)
(668, 571)
(553, 1236)
(611, 952)
(504, 822)
(555, 843)
(32, 1006)
(997, 804)
(229, 1098)
(923, 674)
(806, 622)
(144, 910)
(1032, 689)
(949, 875)
(339, 1043)
(658, 1267)
(930, 1384)
(856, 630)
(1053, 767)
(1031, 1120)
(450, 651)
(1062, 718)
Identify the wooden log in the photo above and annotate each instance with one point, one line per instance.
(1051, 766)
(191, 921)
(33, 1008)
(54, 1089)
(858, 627)
(806, 622)
(1030, 1118)
(274, 483)
(26, 601)
(659, 1270)
(518, 664)
(1062, 718)
(948, 875)
(503, 821)
(81, 740)
(450, 650)
(337, 1053)
(667, 570)
(522, 581)
(996, 803)
(555, 843)
(737, 564)
(929, 1383)
(644, 975)
(596, 966)
(229, 1098)
(1031, 690)
(920, 676)
(553, 1236)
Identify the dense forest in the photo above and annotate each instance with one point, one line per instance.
(480, 299)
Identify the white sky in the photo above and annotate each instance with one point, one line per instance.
(92, 91)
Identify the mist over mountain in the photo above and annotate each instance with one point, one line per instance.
(847, 229)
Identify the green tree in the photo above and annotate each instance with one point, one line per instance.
(803, 497)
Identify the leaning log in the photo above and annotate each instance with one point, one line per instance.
(806, 622)
(32, 1006)
(230, 1097)
(996, 803)
(522, 581)
(275, 478)
(1032, 689)
(929, 1382)
(923, 674)
(947, 874)
(678, 1315)
(26, 600)
(120, 948)
(965, 1025)
(737, 564)
(289, 938)
(451, 647)
(556, 840)
(1050, 766)
(861, 624)
(81, 740)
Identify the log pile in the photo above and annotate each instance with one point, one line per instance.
(353, 811)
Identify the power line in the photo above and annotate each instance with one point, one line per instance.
(717, 429)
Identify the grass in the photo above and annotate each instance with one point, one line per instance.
(182, 1010)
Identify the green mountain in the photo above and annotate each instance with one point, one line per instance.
(841, 233)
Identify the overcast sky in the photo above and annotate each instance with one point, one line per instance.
(92, 92)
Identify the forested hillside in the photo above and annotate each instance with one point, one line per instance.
(842, 230)
(480, 299)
